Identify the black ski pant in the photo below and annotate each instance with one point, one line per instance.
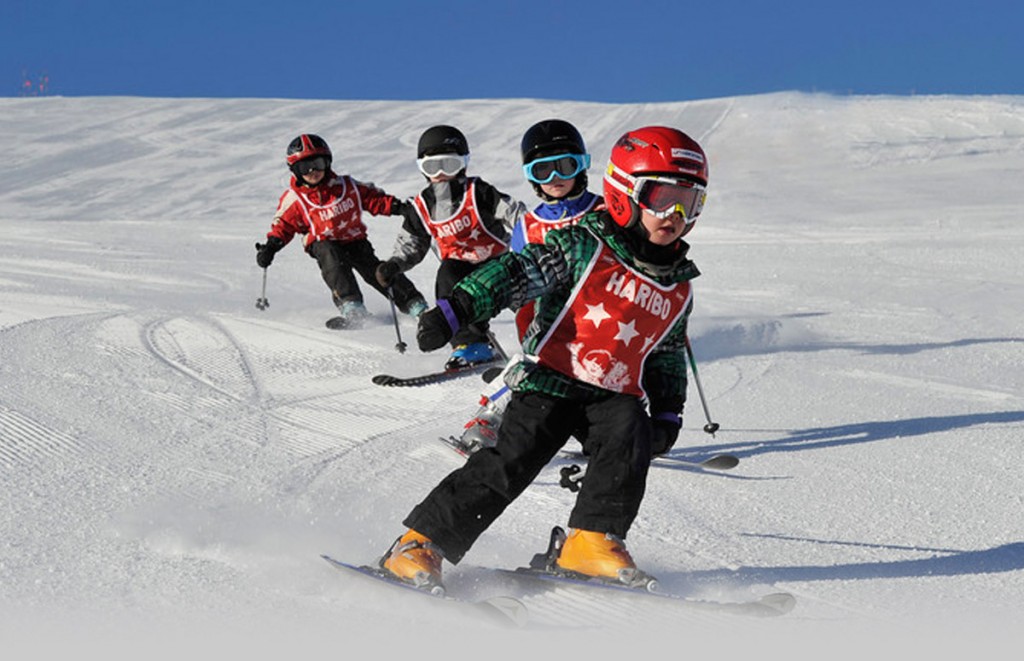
(337, 261)
(448, 275)
(533, 429)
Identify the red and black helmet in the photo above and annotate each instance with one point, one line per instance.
(306, 146)
(651, 151)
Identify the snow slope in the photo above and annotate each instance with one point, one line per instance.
(173, 460)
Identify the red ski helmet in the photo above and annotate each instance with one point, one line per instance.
(652, 150)
(306, 146)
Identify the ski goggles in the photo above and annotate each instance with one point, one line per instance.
(664, 196)
(447, 164)
(310, 164)
(564, 166)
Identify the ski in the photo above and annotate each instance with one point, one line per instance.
(544, 567)
(492, 373)
(769, 605)
(503, 610)
(426, 379)
(714, 462)
(453, 443)
(571, 476)
(722, 462)
(348, 323)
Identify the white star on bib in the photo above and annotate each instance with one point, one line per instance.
(596, 314)
(627, 332)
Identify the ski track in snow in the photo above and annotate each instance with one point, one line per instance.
(25, 443)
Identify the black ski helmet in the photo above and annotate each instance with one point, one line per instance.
(442, 139)
(550, 137)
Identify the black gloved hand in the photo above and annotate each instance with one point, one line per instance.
(386, 272)
(265, 251)
(400, 207)
(438, 324)
(664, 432)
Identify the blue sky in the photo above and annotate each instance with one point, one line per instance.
(598, 50)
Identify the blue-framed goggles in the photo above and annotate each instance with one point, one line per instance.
(564, 166)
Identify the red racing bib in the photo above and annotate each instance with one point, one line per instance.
(338, 216)
(461, 236)
(537, 228)
(611, 322)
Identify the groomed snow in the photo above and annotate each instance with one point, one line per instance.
(173, 460)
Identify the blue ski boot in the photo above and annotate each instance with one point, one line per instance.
(467, 355)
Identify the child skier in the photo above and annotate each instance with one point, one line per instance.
(613, 298)
(327, 208)
(467, 217)
(555, 162)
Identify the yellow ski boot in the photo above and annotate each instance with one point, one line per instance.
(602, 556)
(414, 559)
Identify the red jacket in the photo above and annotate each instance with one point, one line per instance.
(332, 211)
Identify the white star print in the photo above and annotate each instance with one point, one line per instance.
(596, 314)
(626, 332)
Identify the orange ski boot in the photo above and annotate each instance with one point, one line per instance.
(414, 559)
(603, 556)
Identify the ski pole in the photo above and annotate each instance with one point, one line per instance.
(262, 303)
(710, 427)
(394, 316)
(494, 343)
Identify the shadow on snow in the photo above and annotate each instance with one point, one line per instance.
(944, 562)
(817, 438)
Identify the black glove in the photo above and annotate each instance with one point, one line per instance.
(399, 208)
(265, 251)
(664, 432)
(438, 324)
(386, 272)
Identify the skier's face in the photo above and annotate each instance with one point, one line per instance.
(312, 170)
(663, 231)
(558, 188)
(313, 177)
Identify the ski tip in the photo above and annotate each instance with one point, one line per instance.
(491, 373)
(717, 462)
(507, 610)
(384, 380)
(722, 462)
(780, 603)
(453, 443)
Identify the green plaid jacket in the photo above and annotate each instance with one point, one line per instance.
(548, 272)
